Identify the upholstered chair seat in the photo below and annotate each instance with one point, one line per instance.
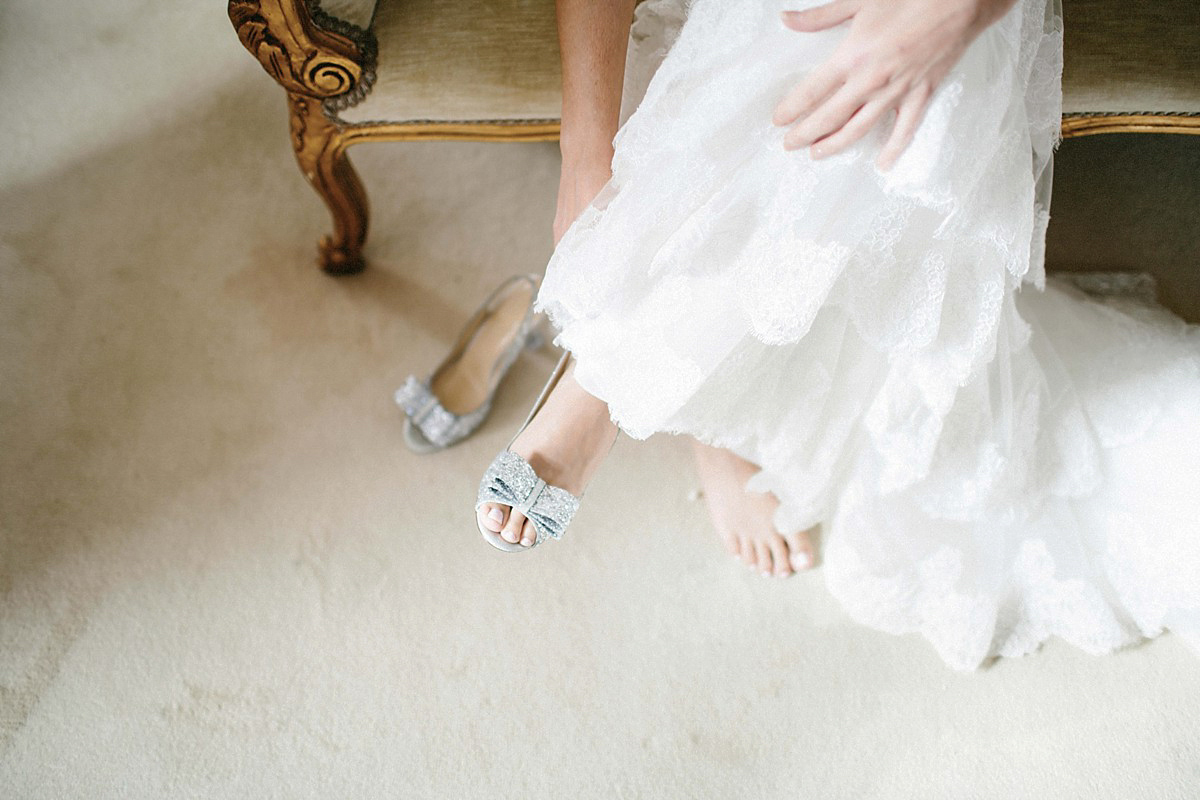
(463, 62)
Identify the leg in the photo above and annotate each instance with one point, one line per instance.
(565, 443)
(744, 519)
(321, 155)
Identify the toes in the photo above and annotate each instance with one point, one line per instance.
(762, 557)
(512, 529)
(528, 534)
(800, 554)
(746, 552)
(491, 516)
(779, 555)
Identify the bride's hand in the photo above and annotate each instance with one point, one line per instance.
(581, 179)
(893, 57)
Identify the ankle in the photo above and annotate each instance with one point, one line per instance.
(577, 410)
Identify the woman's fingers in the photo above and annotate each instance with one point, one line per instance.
(908, 116)
(855, 128)
(830, 116)
(821, 17)
(809, 93)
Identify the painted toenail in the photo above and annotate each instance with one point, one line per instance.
(496, 514)
(800, 560)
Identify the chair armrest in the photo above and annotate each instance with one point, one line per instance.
(304, 49)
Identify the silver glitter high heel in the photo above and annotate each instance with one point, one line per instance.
(453, 401)
(511, 481)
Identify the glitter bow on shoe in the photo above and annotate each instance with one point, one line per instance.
(441, 428)
(511, 481)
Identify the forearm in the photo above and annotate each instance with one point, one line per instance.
(593, 36)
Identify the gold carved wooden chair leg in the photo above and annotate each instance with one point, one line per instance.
(321, 154)
(318, 60)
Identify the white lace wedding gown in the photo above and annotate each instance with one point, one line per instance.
(996, 457)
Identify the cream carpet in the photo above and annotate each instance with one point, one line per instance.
(223, 576)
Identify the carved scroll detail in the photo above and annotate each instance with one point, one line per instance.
(303, 56)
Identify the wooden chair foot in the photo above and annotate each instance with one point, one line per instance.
(340, 260)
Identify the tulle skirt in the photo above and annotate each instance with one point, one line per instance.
(994, 457)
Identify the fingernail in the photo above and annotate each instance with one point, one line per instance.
(496, 514)
(800, 560)
(526, 542)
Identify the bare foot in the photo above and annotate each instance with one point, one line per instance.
(744, 519)
(565, 443)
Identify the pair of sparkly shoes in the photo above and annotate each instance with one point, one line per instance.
(449, 405)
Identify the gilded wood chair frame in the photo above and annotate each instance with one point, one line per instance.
(325, 64)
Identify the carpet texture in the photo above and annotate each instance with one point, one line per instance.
(223, 576)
